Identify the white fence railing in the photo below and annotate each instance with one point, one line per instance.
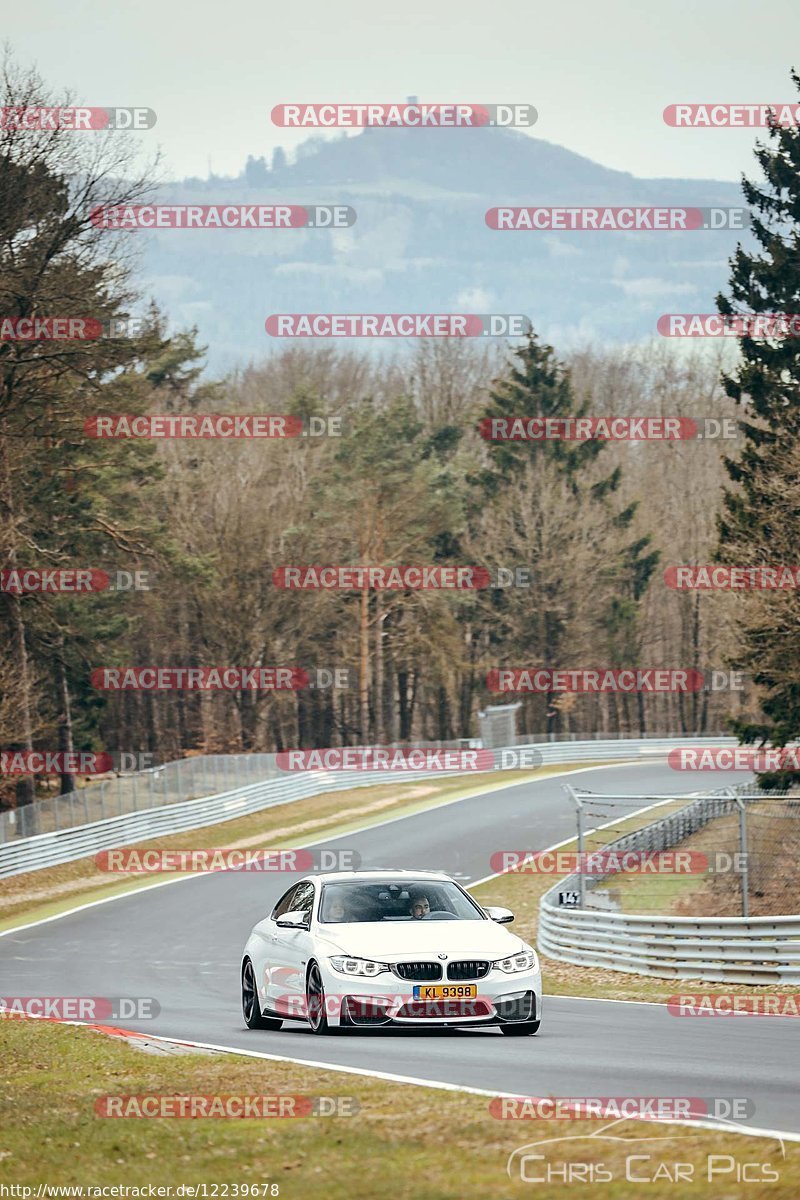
(65, 845)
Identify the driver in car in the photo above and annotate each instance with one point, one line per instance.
(420, 907)
(336, 910)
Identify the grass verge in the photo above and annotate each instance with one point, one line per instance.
(405, 1141)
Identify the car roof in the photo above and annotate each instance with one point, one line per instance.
(347, 876)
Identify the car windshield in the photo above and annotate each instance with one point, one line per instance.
(396, 900)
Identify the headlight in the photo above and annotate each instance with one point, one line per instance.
(524, 961)
(357, 966)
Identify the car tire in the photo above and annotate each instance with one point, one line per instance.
(251, 1009)
(522, 1029)
(315, 1002)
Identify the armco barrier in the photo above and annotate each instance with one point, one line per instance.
(751, 950)
(721, 950)
(66, 845)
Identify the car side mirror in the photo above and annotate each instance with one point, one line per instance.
(294, 920)
(503, 916)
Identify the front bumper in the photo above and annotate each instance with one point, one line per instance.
(388, 1000)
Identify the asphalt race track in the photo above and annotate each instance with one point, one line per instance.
(182, 943)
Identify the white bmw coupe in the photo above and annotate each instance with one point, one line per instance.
(383, 948)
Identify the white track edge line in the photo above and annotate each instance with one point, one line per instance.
(439, 1085)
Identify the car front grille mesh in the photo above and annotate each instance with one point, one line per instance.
(468, 968)
(419, 972)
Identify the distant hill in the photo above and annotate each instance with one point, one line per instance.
(420, 243)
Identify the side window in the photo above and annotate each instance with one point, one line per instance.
(286, 902)
(303, 900)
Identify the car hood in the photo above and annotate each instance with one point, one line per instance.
(388, 941)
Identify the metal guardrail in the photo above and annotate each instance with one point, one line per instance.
(66, 845)
(730, 950)
(751, 950)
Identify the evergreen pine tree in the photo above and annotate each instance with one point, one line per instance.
(761, 509)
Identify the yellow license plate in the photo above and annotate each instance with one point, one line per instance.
(445, 991)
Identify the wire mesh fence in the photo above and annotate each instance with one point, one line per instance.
(772, 844)
(739, 854)
(171, 783)
(186, 779)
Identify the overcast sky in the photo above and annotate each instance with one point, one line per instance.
(599, 73)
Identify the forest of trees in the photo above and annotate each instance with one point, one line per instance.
(410, 480)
